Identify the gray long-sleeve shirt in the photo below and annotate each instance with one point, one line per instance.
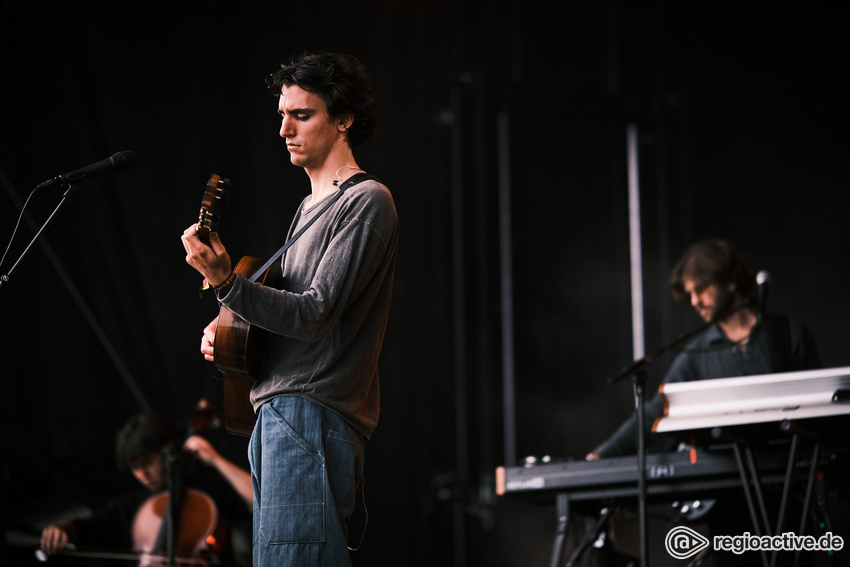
(329, 318)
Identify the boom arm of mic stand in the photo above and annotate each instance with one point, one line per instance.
(4, 279)
(641, 364)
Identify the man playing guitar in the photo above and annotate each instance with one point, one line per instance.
(317, 393)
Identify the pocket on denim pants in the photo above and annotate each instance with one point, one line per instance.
(293, 487)
(344, 464)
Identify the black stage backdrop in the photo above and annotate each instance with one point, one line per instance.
(742, 127)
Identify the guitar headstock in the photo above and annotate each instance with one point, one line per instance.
(215, 196)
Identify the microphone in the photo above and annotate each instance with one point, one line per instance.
(763, 282)
(118, 162)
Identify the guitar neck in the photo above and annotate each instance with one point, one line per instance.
(215, 196)
(203, 234)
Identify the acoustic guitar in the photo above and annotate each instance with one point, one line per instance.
(239, 346)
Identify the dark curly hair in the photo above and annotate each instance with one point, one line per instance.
(340, 80)
(140, 439)
(713, 261)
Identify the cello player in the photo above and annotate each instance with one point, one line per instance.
(140, 445)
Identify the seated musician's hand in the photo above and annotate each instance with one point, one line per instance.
(201, 449)
(208, 341)
(591, 457)
(54, 539)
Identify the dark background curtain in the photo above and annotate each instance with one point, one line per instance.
(742, 122)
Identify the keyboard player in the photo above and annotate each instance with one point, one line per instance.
(720, 280)
(743, 340)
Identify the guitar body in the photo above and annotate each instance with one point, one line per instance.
(240, 348)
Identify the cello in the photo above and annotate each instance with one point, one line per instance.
(194, 537)
(176, 525)
(195, 541)
(179, 520)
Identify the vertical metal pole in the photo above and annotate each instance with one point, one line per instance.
(637, 322)
(507, 288)
(638, 345)
(459, 320)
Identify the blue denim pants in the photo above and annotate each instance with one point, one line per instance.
(306, 464)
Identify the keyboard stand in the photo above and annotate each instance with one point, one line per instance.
(749, 469)
(562, 509)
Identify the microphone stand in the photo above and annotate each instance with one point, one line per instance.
(4, 279)
(170, 521)
(637, 371)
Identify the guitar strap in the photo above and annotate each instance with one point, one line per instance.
(351, 181)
